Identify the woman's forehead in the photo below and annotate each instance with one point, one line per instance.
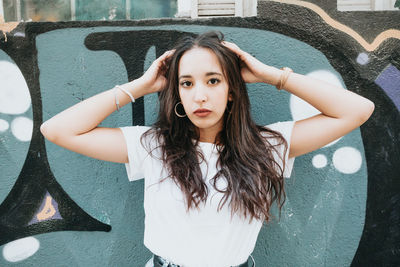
(198, 60)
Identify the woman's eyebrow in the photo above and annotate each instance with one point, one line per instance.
(207, 74)
(185, 76)
(213, 73)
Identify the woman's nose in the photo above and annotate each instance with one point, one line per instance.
(200, 94)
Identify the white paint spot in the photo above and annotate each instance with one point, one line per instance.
(347, 160)
(300, 109)
(22, 128)
(19, 34)
(20, 249)
(3, 125)
(362, 58)
(112, 13)
(14, 93)
(319, 161)
(149, 263)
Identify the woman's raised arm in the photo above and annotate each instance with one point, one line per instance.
(76, 128)
(341, 110)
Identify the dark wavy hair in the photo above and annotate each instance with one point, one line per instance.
(254, 179)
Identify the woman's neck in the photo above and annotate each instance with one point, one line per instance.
(208, 136)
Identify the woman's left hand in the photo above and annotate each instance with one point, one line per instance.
(253, 70)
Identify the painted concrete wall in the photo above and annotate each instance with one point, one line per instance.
(59, 208)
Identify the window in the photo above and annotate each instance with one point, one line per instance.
(65, 10)
(366, 5)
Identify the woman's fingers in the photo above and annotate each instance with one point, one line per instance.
(160, 63)
(250, 66)
(230, 45)
(154, 77)
(167, 54)
(244, 56)
(235, 49)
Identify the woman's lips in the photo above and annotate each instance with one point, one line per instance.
(202, 112)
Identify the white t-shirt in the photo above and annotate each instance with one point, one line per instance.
(200, 238)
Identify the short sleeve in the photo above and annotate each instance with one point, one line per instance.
(136, 152)
(284, 128)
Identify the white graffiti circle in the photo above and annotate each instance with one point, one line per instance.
(20, 249)
(3, 125)
(21, 128)
(362, 58)
(14, 92)
(347, 160)
(300, 109)
(319, 161)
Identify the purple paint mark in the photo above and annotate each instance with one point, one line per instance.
(48, 210)
(389, 81)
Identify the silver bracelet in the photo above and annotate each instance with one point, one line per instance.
(126, 92)
(116, 98)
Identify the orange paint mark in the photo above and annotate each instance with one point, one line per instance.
(48, 210)
(7, 27)
(391, 33)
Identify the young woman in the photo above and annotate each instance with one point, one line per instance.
(211, 174)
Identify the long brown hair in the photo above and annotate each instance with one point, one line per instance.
(254, 179)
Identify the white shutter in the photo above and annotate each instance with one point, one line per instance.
(353, 5)
(384, 5)
(216, 8)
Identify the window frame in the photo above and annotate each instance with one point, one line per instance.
(360, 5)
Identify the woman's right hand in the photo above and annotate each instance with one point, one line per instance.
(154, 79)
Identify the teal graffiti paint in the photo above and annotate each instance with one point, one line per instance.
(15, 123)
(69, 72)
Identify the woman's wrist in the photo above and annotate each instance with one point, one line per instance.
(271, 75)
(136, 87)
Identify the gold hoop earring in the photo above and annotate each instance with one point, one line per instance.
(176, 112)
(229, 109)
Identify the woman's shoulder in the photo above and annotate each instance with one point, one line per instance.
(138, 129)
(280, 126)
(283, 128)
(135, 134)
(142, 141)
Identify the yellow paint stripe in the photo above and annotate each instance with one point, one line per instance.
(391, 33)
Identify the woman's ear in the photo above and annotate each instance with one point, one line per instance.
(230, 97)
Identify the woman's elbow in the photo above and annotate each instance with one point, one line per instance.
(366, 111)
(47, 132)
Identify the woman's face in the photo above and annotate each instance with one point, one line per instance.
(203, 90)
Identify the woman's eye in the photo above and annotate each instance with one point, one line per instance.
(186, 83)
(213, 81)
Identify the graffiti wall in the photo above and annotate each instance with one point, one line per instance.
(61, 208)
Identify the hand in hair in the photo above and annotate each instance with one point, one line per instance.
(154, 78)
(253, 70)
